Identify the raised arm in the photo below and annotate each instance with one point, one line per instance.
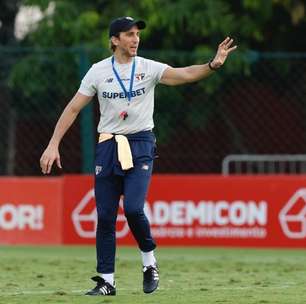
(51, 154)
(177, 76)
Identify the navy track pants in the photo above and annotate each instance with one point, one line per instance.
(110, 183)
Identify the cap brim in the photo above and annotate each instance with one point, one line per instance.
(139, 23)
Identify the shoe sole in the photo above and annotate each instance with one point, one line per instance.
(150, 291)
(96, 295)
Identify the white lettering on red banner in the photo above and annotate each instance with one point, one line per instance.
(208, 213)
(21, 217)
(177, 219)
(208, 218)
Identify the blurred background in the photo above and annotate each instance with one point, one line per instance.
(249, 117)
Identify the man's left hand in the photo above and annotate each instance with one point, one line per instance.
(224, 49)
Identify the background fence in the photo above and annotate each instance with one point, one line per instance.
(254, 105)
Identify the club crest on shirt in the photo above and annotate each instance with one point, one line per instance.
(140, 76)
(98, 169)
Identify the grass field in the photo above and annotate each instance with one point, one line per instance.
(188, 275)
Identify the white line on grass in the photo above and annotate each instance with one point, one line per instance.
(41, 292)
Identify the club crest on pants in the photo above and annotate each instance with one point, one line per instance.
(98, 169)
(145, 167)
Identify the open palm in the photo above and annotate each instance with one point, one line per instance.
(224, 49)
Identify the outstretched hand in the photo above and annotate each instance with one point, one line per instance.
(224, 49)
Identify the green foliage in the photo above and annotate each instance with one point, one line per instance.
(178, 32)
(179, 24)
(40, 80)
(67, 26)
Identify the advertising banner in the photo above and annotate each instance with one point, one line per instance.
(30, 211)
(184, 210)
(257, 211)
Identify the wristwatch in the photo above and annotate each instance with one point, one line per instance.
(210, 66)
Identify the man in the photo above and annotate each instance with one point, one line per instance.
(125, 86)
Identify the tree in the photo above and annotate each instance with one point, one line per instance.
(184, 25)
(179, 32)
(188, 30)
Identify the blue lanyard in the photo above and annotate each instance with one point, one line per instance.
(128, 94)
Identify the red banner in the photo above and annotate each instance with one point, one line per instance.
(257, 211)
(234, 211)
(30, 211)
(204, 210)
(80, 215)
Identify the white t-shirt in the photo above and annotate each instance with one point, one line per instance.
(101, 80)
